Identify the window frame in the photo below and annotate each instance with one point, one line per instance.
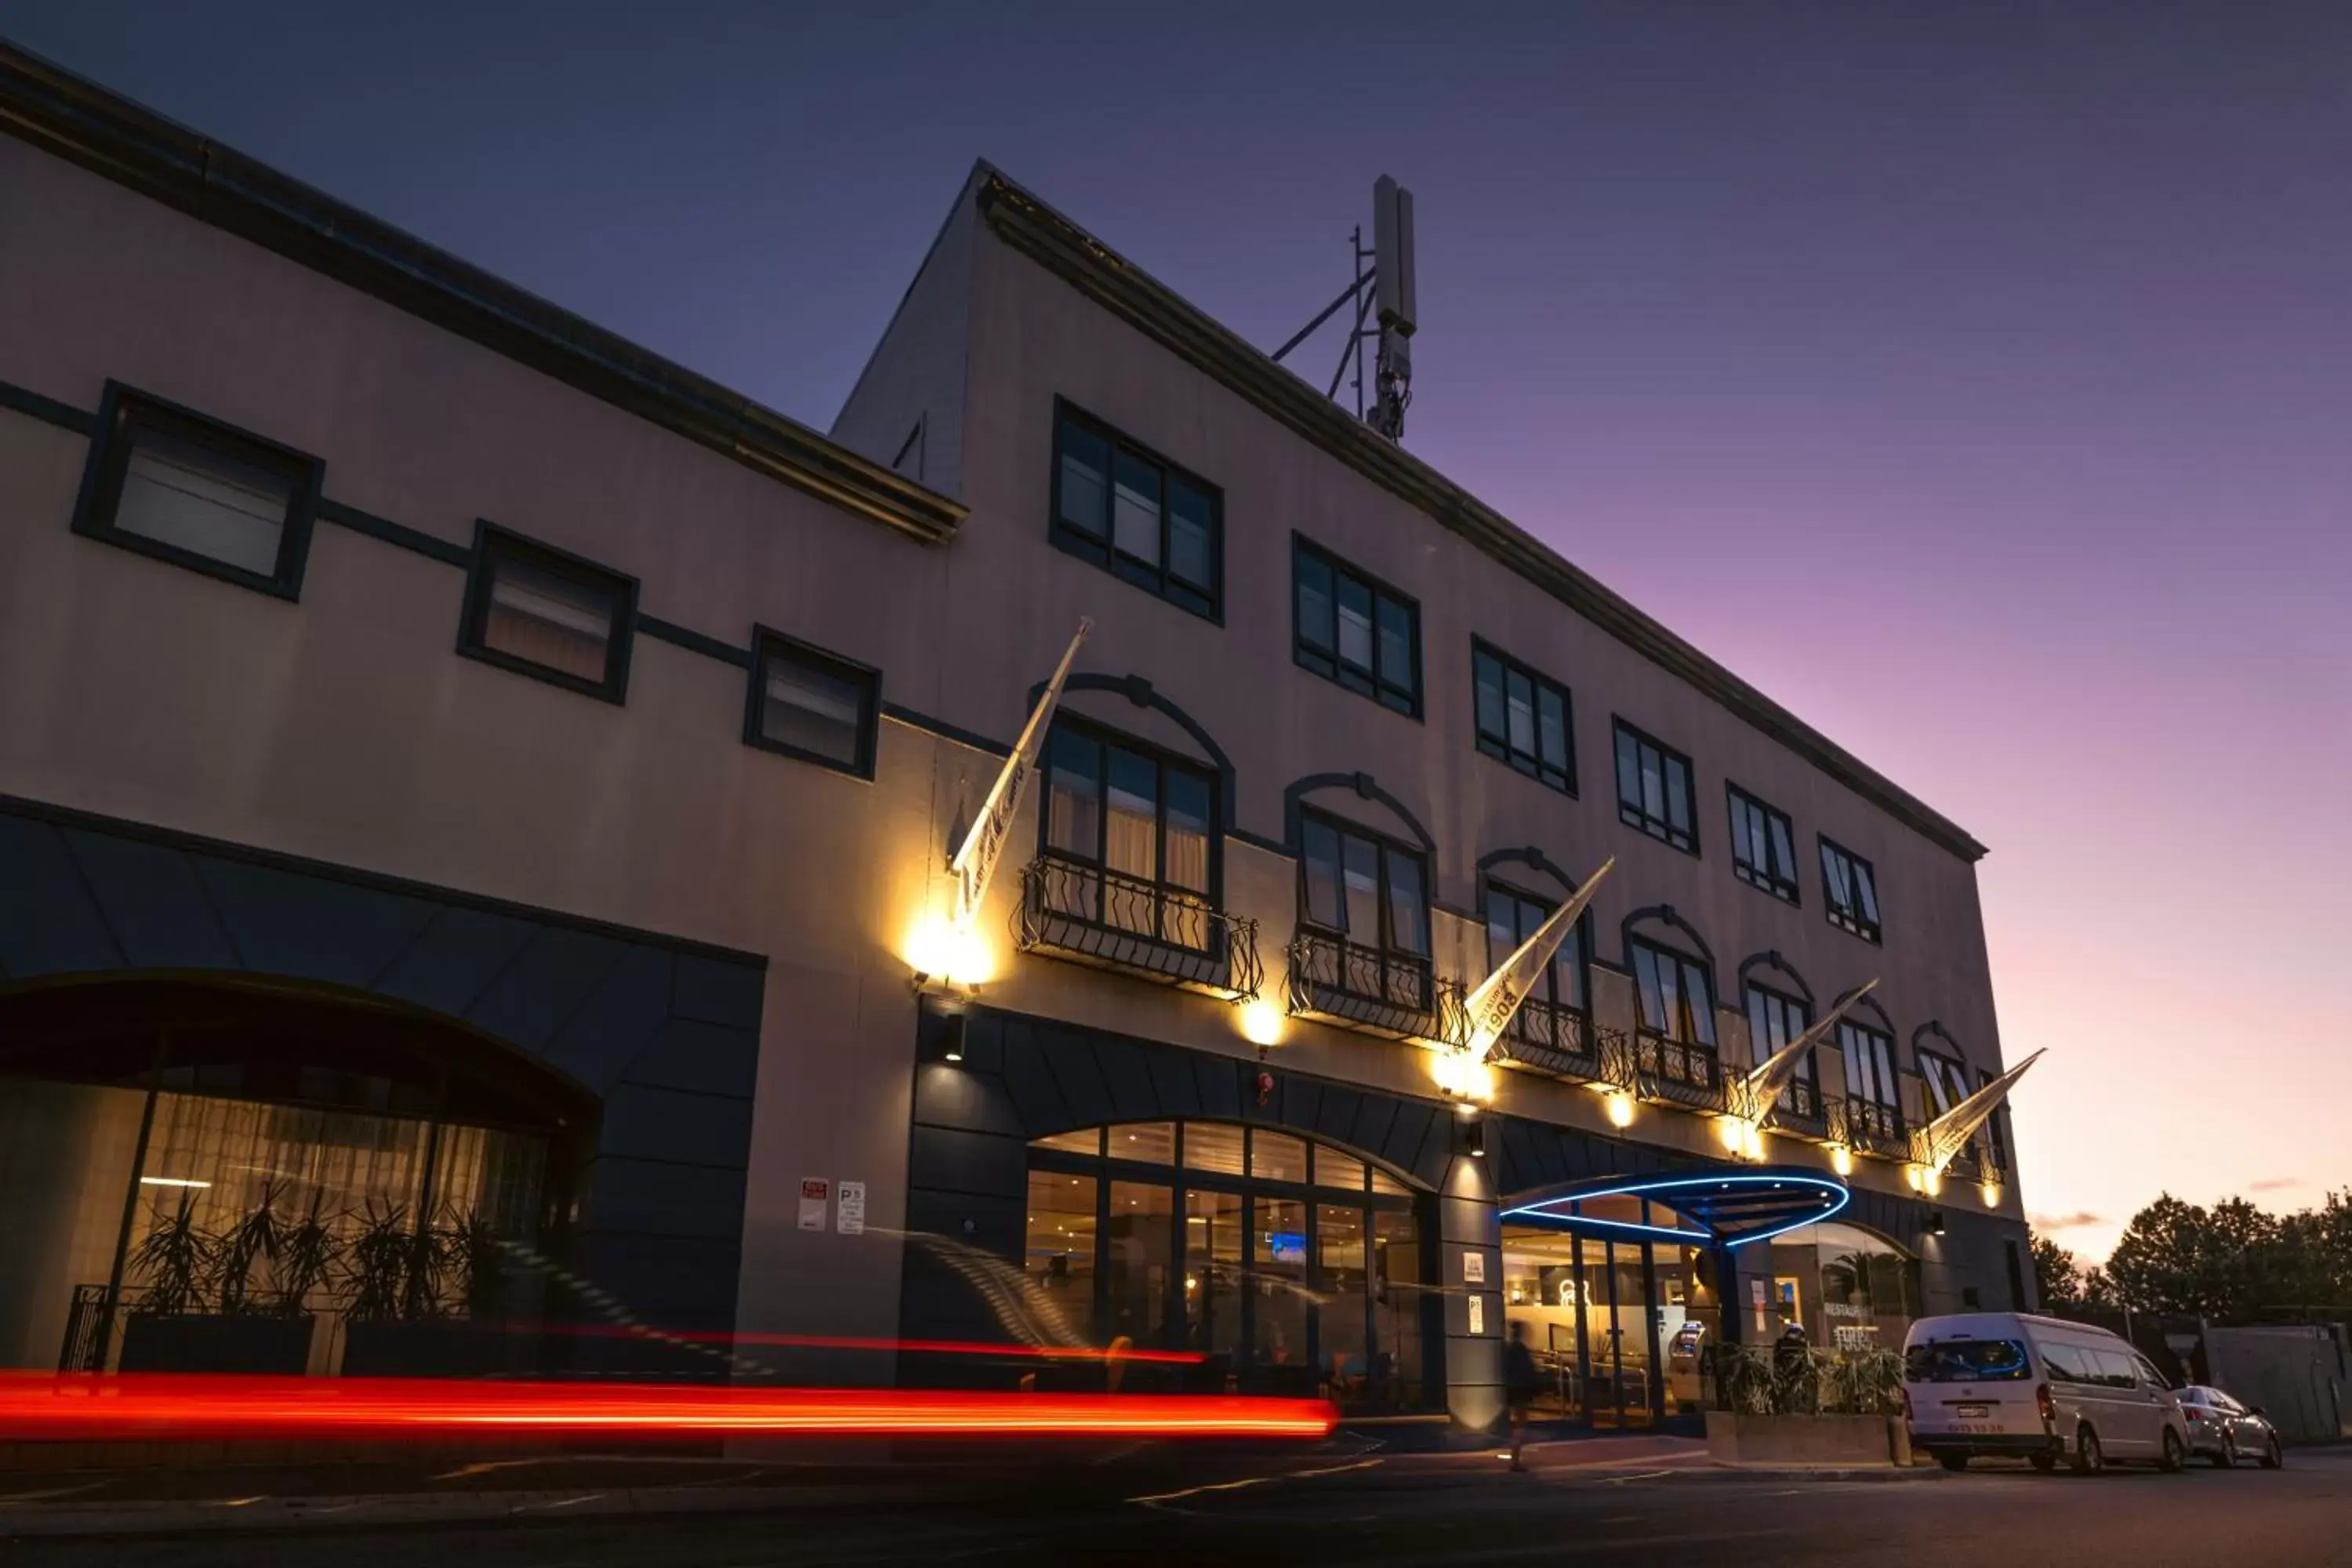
(1762, 879)
(1499, 747)
(1851, 922)
(1386, 947)
(1580, 931)
(1888, 1061)
(1163, 759)
(1683, 962)
(1105, 553)
(767, 640)
(1631, 813)
(121, 410)
(1921, 1057)
(1375, 687)
(491, 543)
(1809, 1067)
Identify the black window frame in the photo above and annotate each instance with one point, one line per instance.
(1809, 1066)
(1499, 746)
(1851, 921)
(1686, 964)
(1385, 951)
(493, 544)
(1921, 1057)
(1762, 879)
(1630, 812)
(766, 643)
(122, 411)
(1159, 581)
(1164, 760)
(1373, 684)
(1884, 1059)
(1579, 933)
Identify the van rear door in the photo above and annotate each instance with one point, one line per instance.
(1976, 1386)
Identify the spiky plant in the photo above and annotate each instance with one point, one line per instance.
(172, 1262)
(309, 1248)
(373, 1288)
(246, 1247)
(481, 1276)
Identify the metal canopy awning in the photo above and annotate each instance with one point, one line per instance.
(1731, 1207)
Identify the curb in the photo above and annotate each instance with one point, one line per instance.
(1882, 1473)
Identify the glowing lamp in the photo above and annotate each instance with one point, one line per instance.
(1990, 1192)
(1261, 1021)
(1729, 1130)
(939, 949)
(1842, 1159)
(1621, 1110)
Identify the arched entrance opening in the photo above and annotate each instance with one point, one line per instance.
(1283, 1263)
(1623, 1285)
(232, 1173)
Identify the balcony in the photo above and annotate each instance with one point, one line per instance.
(1867, 1127)
(1799, 1108)
(1678, 1072)
(1380, 992)
(1075, 909)
(1559, 1040)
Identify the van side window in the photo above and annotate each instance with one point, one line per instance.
(2114, 1369)
(2066, 1364)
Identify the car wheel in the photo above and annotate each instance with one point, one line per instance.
(2227, 1459)
(2272, 1454)
(2045, 1463)
(1953, 1461)
(2175, 1453)
(2089, 1459)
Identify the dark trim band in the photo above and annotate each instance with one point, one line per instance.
(448, 552)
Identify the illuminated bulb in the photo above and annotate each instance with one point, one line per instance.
(1621, 1110)
(1261, 1021)
(1751, 1141)
(1931, 1181)
(1727, 1129)
(1990, 1192)
(1842, 1159)
(1915, 1178)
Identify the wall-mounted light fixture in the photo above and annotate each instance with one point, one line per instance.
(1989, 1191)
(1934, 1226)
(1842, 1159)
(952, 1029)
(1618, 1106)
(1261, 1021)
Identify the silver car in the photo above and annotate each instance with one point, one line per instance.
(2225, 1431)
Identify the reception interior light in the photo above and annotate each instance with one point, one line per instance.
(171, 1182)
(1261, 1021)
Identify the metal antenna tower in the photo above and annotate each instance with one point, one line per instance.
(1382, 289)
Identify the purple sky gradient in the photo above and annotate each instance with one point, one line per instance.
(1976, 379)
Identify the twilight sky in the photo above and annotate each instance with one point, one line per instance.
(1977, 379)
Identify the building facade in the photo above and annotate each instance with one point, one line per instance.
(473, 790)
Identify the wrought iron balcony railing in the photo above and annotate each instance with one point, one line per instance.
(1971, 1164)
(1076, 910)
(1868, 1127)
(1554, 1039)
(1369, 988)
(1799, 1108)
(1680, 1072)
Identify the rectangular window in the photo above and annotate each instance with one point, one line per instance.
(1849, 889)
(1678, 1001)
(173, 484)
(1996, 1134)
(1374, 894)
(810, 704)
(1355, 631)
(1653, 789)
(1511, 917)
(541, 612)
(1522, 718)
(1946, 1081)
(1139, 831)
(1763, 845)
(1869, 1065)
(1137, 515)
(1774, 1020)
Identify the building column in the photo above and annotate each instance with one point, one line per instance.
(1470, 1276)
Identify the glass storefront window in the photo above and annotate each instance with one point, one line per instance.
(1209, 1146)
(1849, 1288)
(1061, 1257)
(1279, 1268)
(1277, 1157)
(1340, 1283)
(1333, 1169)
(1085, 1141)
(1150, 1141)
(1397, 1292)
(1135, 1260)
(1213, 1274)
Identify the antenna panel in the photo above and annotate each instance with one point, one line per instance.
(1392, 255)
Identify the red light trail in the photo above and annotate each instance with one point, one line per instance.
(41, 1408)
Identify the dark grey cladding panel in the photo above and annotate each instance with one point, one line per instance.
(666, 1124)
(1474, 1362)
(1126, 1080)
(1337, 1116)
(1035, 1094)
(1463, 1221)
(947, 1095)
(1070, 1058)
(1173, 1077)
(951, 1160)
(48, 923)
(1302, 1102)
(545, 986)
(153, 903)
(718, 992)
(946, 1228)
(284, 922)
(654, 1197)
(1375, 1116)
(627, 1009)
(1221, 1087)
(710, 1058)
(675, 1281)
(1513, 1154)
(1416, 1143)
(454, 959)
(984, 1038)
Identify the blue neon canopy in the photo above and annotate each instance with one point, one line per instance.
(1730, 1207)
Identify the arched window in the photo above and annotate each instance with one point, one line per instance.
(1284, 1262)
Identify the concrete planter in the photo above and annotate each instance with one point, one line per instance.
(212, 1341)
(1737, 1439)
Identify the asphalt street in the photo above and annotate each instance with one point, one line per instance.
(1357, 1504)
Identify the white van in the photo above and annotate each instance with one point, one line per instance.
(2038, 1389)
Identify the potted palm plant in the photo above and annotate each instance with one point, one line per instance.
(186, 1270)
(428, 1299)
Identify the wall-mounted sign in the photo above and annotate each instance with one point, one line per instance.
(1474, 1267)
(814, 1190)
(1477, 1314)
(1756, 1298)
(849, 1211)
